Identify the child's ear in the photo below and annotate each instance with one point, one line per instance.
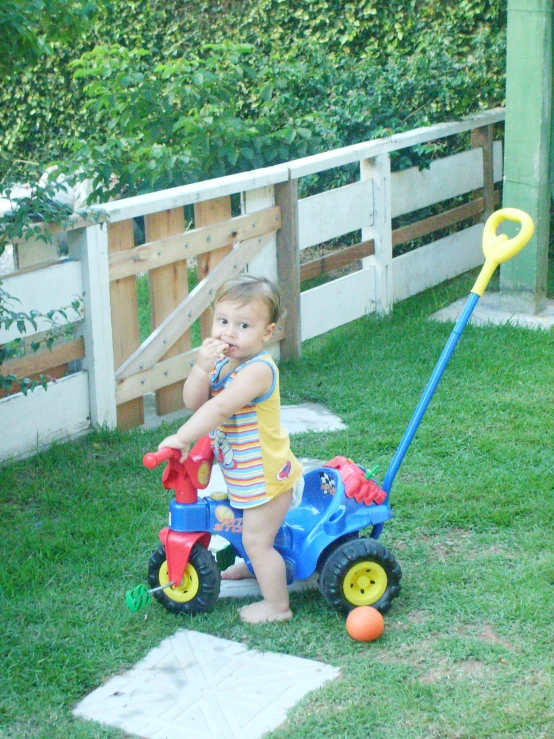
(270, 328)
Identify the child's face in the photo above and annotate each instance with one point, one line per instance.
(245, 328)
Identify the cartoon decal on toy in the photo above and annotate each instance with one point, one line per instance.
(328, 484)
(226, 520)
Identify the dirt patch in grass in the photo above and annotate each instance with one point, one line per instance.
(492, 551)
(453, 541)
(473, 668)
(418, 617)
(484, 633)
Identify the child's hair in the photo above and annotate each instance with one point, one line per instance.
(245, 288)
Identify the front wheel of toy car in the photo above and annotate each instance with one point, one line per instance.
(199, 587)
(360, 573)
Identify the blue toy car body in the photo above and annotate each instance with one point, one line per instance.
(322, 534)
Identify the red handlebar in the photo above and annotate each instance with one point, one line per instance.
(153, 459)
(187, 477)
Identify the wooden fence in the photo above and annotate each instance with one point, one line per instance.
(253, 221)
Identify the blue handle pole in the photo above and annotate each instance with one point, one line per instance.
(428, 392)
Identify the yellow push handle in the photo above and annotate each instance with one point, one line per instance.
(497, 248)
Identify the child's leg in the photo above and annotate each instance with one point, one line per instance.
(238, 571)
(259, 527)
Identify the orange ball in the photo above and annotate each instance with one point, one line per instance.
(365, 623)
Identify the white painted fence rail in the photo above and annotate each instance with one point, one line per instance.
(63, 411)
(87, 398)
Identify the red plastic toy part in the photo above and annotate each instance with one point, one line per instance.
(188, 477)
(178, 545)
(153, 459)
(356, 485)
(199, 463)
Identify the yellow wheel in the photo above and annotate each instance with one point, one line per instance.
(364, 583)
(199, 587)
(188, 587)
(360, 572)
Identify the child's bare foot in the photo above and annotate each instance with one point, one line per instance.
(262, 612)
(238, 571)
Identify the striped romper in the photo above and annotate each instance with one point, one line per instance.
(252, 448)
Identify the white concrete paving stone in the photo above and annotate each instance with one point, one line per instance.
(198, 686)
(303, 417)
(497, 308)
(296, 419)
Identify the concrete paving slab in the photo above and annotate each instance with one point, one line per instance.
(295, 418)
(249, 588)
(198, 686)
(498, 308)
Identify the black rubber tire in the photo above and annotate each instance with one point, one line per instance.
(326, 553)
(350, 555)
(209, 581)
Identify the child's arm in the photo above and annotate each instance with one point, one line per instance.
(251, 382)
(196, 390)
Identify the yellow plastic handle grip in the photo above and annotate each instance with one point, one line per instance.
(498, 248)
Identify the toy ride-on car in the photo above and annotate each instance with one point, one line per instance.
(322, 534)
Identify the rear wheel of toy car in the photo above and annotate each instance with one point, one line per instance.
(324, 556)
(199, 586)
(360, 573)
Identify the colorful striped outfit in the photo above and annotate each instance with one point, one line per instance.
(252, 448)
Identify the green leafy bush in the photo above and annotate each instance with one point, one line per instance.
(43, 110)
(183, 120)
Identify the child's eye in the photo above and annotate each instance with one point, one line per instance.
(223, 321)
(244, 325)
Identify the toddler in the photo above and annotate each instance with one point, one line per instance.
(234, 390)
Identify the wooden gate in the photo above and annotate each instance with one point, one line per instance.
(222, 246)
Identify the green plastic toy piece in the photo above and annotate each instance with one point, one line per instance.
(373, 471)
(137, 598)
(225, 557)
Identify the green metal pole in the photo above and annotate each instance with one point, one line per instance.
(527, 145)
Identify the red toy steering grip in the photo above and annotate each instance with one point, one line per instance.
(153, 459)
(187, 477)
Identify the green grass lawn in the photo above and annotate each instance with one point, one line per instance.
(467, 650)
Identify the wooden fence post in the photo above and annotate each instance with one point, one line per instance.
(483, 138)
(205, 214)
(125, 323)
(288, 267)
(264, 263)
(90, 247)
(168, 287)
(378, 170)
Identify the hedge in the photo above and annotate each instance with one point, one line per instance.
(337, 59)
